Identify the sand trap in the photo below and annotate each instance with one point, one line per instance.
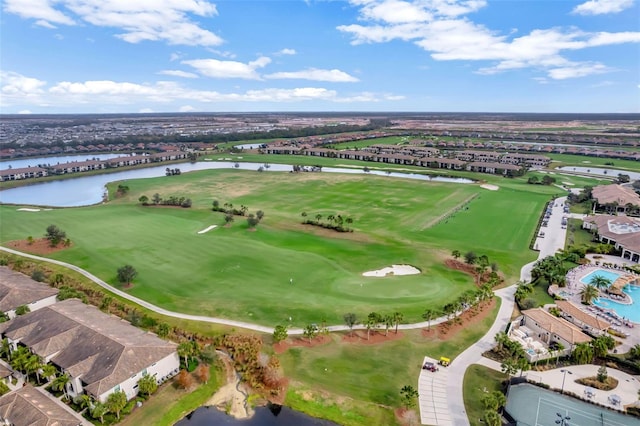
(28, 210)
(207, 229)
(490, 187)
(568, 183)
(393, 270)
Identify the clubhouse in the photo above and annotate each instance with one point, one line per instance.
(614, 198)
(621, 231)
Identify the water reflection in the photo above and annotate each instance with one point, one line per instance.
(87, 190)
(273, 415)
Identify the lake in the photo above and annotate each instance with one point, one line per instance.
(612, 173)
(264, 416)
(87, 190)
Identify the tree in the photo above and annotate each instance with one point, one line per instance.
(409, 395)
(156, 198)
(185, 350)
(48, 371)
(429, 315)
(147, 384)
(601, 345)
(310, 331)
(22, 309)
(202, 373)
(126, 274)
(228, 218)
(280, 333)
(216, 205)
(32, 365)
(259, 214)
(55, 235)
(509, 367)
(523, 365)
(83, 401)
(60, 384)
(184, 379)
(252, 221)
(492, 418)
(388, 321)
(38, 275)
(456, 254)
(602, 374)
(470, 257)
(116, 401)
(600, 282)
(583, 353)
(397, 318)
(350, 319)
(588, 293)
(163, 329)
(98, 411)
(373, 319)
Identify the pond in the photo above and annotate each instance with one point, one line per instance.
(249, 146)
(274, 415)
(87, 190)
(612, 173)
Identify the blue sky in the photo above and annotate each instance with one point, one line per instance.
(110, 56)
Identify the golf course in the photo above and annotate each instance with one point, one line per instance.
(285, 271)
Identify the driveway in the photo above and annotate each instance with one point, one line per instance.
(432, 388)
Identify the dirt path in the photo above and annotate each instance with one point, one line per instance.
(231, 398)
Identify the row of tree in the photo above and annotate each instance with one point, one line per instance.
(171, 201)
(229, 208)
(332, 221)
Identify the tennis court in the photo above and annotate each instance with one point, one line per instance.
(531, 405)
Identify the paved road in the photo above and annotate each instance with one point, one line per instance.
(554, 240)
(214, 320)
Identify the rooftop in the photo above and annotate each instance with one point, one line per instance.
(29, 406)
(558, 326)
(17, 289)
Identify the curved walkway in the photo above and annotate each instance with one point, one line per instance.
(213, 320)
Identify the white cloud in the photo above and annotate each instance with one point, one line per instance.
(186, 108)
(601, 7)
(395, 97)
(17, 84)
(145, 110)
(451, 37)
(157, 20)
(42, 10)
(335, 76)
(605, 83)
(25, 112)
(178, 73)
(577, 70)
(286, 51)
(175, 56)
(228, 69)
(45, 24)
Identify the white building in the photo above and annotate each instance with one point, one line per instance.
(101, 353)
(17, 290)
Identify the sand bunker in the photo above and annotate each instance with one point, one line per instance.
(567, 183)
(393, 270)
(207, 229)
(490, 187)
(28, 210)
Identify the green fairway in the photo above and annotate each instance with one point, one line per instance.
(286, 269)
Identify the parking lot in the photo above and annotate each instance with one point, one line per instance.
(432, 388)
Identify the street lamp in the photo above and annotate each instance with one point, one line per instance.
(564, 376)
(562, 420)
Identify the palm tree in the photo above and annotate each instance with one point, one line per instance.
(48, 371)
(185, 350)
(5, 348)
(83, 401)
(32, 365)
(600, 282)
(397, 318)
(456, 254)
(429, 315)
(583, 353)
(501, 338)
(588, 293)
(98, 411)
(60, 384)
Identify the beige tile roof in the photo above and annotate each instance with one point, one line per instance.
(592, 321)
(17, 289)
(559, 326)
(607, 223)
(28, 406)
(101, 349)
(615, 194)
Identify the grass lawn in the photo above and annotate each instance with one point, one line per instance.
(477, 378)
(559, 160)
(374, 373)
(576, 235)
(233, 273)
(170, 404)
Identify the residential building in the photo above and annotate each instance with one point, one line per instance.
(101, 353)
(621, 198)
(29, 406)
(17, 289)
(22, 173)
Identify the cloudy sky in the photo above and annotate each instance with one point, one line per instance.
(77, 56)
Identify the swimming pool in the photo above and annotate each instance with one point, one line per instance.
(610, 275)
(631, 312)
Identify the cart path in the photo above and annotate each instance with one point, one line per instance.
(214, 320)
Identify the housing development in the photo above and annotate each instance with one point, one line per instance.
(351, 269)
